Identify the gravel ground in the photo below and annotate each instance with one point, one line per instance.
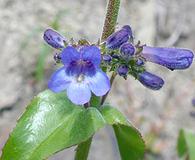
(155, 22)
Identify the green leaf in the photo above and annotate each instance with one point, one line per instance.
(113, 116)
(95, 101)
(130, 142)
(82, 150)
(51, 123)
(186, 145)
(181, 144)
(190, 140)
(131, 145)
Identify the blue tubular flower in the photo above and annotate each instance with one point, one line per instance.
(127, 50)
(150, 80)
(54, 39)
(80, 74)
(115, 40)
(172, 58)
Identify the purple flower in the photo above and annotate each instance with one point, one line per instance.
(115, 40)
(127, 50)
(106, 58)
(139, 62)
(80, 74)
(54, 39)
(122, 70)
(115, 56)
(172, 58)
(150, 80)
(128, 29)
(193, 102)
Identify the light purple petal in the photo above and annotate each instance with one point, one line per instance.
(92, 54)
(59, 80)
(78, 93)
(69, 55)
(54, 39)
(99, 83)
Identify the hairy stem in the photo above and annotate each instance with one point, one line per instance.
(82, 150)
(109, 27)
(111, 18)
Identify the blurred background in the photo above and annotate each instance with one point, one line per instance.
(26, 63)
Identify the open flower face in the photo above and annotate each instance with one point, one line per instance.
(80, 74)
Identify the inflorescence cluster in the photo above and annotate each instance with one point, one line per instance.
(85, 65)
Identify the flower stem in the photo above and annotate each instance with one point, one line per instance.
(111, 82)
(109, 27)
(82, 150)
(111, 18)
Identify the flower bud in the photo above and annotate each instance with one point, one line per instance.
(122, 70)
(128, 29)
(193, 102)
(127, 50)
(172, 58)
(115, 40)
(115, 56)
(54, 39)
(106, 58)
(150, 80)
(139, 62)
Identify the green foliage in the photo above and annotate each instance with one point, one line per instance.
(82, 150)
(130, 142)
(50, 124)
(186, 145)
(95, 101)
(181, 144)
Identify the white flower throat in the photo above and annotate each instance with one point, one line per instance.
(80, 78)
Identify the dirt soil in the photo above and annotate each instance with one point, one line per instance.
(157, 114)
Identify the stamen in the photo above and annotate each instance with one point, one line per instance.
(80, 78)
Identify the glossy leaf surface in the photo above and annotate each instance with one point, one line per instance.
(130, 142)
(50, 123)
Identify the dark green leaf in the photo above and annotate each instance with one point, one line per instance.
(186, 145)
(82, 150)
(51, 123)
(113, 116)
(190, 141)
(130, 142)
(181, 144)
(131, 145)
(95, 101)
